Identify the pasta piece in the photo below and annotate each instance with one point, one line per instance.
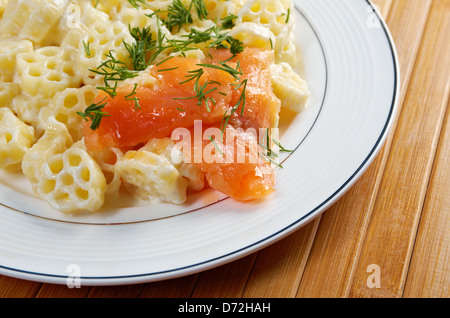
(9, 48)
(109, 6)
(7, 93)
(220, 9)
(253, 35)
(28, 109)
(75, 23)
(102, 39)
(289, 87)
(72, 182)
(46, 71)
(31, 19)
(64, 107)
(107, 159)
(15, 138)
(276, 16)
(56, 139)
(165, 147)
(151, 177)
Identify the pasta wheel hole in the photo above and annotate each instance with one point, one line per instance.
(7, 137)
(51, 65)
(100, 28)
(271, 7)
(30, 59)
(109, 176)
(62, 197)
(256, 7)
(49, 51)
(89, 98)
(82, 194)
(86, 175)
(67, 180)
(264, 20)
(54, 77)
(117, 29)
(48, 186)
(62, 118)
(211, 5)
(70, 101)
(74, 160)
(34, 71)
(56, 166)
(103, 41)
(68, 70)
(246, 19)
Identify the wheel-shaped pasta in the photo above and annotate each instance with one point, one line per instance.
(9, 48)
(31, 19)
(46, 71)
(289, 87)
(152, 178)
(15, 138)
(72, 182)
(56, 139)
(64, 107)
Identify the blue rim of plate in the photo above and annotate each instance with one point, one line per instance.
(286, 230)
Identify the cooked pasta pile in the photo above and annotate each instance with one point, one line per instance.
(48, 51)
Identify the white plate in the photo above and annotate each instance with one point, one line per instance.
(351, 66)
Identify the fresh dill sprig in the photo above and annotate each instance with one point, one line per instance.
(132, 97)
(87, 48)
(95, 113)
(136, 3)
(228, 22)
(282, 149)
(200, 8)
(142, 45)
(177, 15)
(215, 145)
(113, 70)
(235, 72)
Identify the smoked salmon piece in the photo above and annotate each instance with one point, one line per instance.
(248, 101)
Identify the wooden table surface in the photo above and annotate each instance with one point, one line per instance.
(389, 236)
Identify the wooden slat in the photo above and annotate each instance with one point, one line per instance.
(17, 288)
(393, 225)
(429, 271)
(337, 245)
(62, 291)
(279, 268)
(226, 281)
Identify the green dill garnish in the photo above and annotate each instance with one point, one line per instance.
(226, 68)
(113, 70)
(168, 69)
(282, 149)
(87, 49)
(228, 21)
(200, 8)
(136, 3)
(139, 49)
(177, 15)
(95, 113)
(132, 97)
(215, 145)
